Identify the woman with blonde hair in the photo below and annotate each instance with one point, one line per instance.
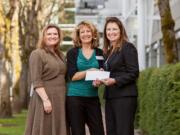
(83, 105)
(46, 114)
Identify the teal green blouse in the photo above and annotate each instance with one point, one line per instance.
(82, 87)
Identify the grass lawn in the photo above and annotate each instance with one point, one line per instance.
(14, 125)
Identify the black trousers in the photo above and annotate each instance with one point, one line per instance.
(84, 110)
(120, 114)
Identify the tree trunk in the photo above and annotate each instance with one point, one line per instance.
(29, 34)
(21, 91)
(62, 12)
(5, 105)
(15, 59)
(167, 27)
(24, 86)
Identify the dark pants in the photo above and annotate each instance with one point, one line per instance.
(84, 110)
(120, 114)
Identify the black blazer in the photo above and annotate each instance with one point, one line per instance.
(72, 55)
(123, 66)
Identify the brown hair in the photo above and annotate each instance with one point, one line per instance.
(95, 35)
(123, 36)
(41, 43)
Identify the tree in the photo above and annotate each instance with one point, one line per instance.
(7, 49)
(167, 27)
(5, 105)
(15, 55)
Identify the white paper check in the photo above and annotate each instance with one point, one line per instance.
(93, 75)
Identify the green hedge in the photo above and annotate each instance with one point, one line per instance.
(159, 101)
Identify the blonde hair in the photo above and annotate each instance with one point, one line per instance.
(76, 34)
(41, 43)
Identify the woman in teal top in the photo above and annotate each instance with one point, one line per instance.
(83, 106)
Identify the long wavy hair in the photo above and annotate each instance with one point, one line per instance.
(108, 49)
(76, 34)
(42, 44)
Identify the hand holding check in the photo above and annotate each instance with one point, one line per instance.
(99, 77)
(109, 81)
(96, 75)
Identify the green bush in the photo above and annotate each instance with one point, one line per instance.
(159, 101)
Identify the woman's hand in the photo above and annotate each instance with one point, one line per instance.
(44, 97)
(97, 83)
(109, 81)
(82, 74)
(47, 106)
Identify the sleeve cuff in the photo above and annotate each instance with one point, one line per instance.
(38, 84)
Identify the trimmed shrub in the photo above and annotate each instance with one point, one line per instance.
(159, 101)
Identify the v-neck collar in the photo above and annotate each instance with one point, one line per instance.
(85, 57)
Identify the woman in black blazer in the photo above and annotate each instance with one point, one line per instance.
(120, 91)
